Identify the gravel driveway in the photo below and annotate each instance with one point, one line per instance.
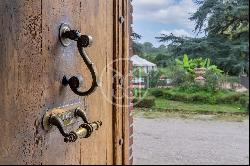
(179, 141)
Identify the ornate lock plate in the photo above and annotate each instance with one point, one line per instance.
(65, 113)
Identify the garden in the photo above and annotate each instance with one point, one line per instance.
(197, 86)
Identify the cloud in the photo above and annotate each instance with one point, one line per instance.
(177, 32)
(151, 5)
(169, 12)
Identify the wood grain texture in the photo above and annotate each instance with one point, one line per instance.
(117, 88)
(126, 86)
(21, 70)
(32, 64)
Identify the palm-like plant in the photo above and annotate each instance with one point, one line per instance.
(190, 64)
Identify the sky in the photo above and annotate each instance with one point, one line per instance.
(155, 17)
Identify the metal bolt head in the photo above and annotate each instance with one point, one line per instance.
(121, 141)
(121, 19)
(74, 82)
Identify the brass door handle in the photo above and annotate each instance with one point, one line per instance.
(67, 35)
(57, 118)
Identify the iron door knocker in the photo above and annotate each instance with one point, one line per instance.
(67, 35)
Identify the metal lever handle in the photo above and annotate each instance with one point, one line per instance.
(83, 41)
(84, 131)
(68, 137)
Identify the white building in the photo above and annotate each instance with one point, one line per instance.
(138, 62)
(143, 63)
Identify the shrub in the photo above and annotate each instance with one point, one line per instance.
(207, 97)
(177, 96)
(233, 97)
(203, 98)
(153, 78)
(139, 92)
(191, 87)
(147, 102)
(244, 101)
(212, 82)
(157, 92)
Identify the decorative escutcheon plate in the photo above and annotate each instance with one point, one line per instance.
(65, 113)
(64, 41)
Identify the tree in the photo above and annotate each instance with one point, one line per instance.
(153, 78)
(224, 16)
(136, 36)
(137, 47)
(227, 35)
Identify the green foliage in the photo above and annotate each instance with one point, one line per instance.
(186, 64)
(233, 97)
(190, 64)
(153, 78)
(136, 36)
(227, 39)
(139, 93)
(137, 49)
(139, 72)
(214, 70)
(163, 60)
(200, 95)
(159, 56)
(224, 16)
(157, 92)
(147, 102)
(213, 80)
(178, 107)
(179, 76)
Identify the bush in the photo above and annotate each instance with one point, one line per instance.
(194, 93)
(180, 76)
(207, 97)
(147, 102)
(153, 78)
(244, 101)
(157, 92)
(139, 92)
(233, 97)
(212, 82)
(191, 87)
(203, 98)
(199, 97)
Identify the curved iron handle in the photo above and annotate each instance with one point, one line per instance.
(68, 137)
(84, 131)
(83, 41)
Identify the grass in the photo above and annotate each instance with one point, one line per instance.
(191, 103)
(198, 95)
(163, 104)
(175, 109)
(152, 114)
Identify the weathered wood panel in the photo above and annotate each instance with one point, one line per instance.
(32, 64)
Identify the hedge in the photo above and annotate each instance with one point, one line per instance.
(147, 102)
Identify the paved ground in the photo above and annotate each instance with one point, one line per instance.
(177, 141)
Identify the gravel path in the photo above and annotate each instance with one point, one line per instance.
(177, 141)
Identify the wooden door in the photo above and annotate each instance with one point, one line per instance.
(32, 65)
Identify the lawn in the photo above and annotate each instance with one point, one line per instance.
(175, 109)
(168, 105)
(178, 100)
